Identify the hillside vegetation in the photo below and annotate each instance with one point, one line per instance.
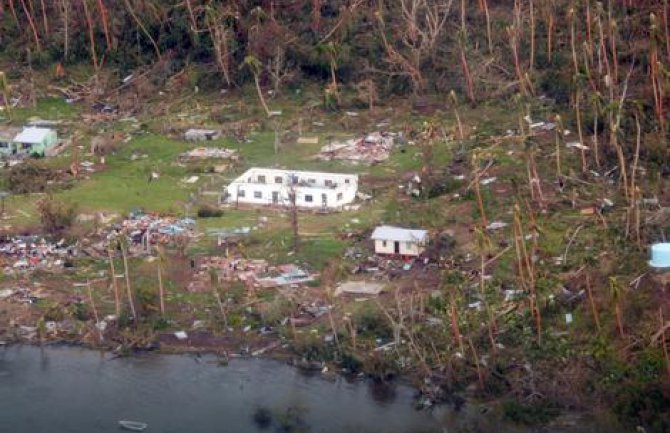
(465, 80)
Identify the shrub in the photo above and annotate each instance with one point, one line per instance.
(55, 215)
(30, 177)
(209, 212)
(527, 414)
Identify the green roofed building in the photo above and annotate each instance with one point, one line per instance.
(33, 140)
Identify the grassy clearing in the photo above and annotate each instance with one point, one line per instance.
(51, 108)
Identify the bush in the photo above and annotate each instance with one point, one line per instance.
(534, 414)
(30, 177)
(55, 215)
(209, 212)
(371, 322)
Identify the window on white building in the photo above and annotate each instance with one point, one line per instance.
(346, 180)
(278, 179)
(258, 194)
(311, 180)
(384, 244)
(241, 193)
(261, 178)
(339, 196)
(329, 182)
(309, 198)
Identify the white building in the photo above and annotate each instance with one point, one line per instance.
(316, 190)
(399, 241)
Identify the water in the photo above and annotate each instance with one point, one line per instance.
(72, 390)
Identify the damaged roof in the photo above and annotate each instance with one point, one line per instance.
(391, 233)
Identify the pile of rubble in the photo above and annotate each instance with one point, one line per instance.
(253, 273)
(372, 148)
(143, 231)
(209, 153)
(32, 252)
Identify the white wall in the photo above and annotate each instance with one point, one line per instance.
(406, 248)
(248, 190)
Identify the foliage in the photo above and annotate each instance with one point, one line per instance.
(31, 177)
(209, 212)
(529, 414)
(55, 214)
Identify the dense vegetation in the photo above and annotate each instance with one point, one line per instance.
(601, 64)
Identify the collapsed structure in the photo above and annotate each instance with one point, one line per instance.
(372, 148)
(33, 252)
(209, 153)
(254, 273)
(305, 189)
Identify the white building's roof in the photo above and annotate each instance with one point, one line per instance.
(282, 172)
(32, 135)
(390, 233)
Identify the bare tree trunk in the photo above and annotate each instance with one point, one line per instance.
(144, 29)
(594, 309)
(294, 219)
(489, 38)
(44, 17)
(117, 298)
(91, 36)
(128, 289)
(31, 22)
(161, 293)
(65, 5)
(105, 23)
(12, 9)
(580, 132)
(95, 310)
(532, 35)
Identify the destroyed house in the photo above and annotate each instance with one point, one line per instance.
(273, 187)
(34, 140)
(399, 241)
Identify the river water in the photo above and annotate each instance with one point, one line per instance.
(59, 389)
(72, 390)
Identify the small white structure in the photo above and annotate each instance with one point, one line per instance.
(399, 241)
(35, 140)
(314, 190)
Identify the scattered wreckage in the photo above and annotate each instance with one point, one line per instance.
(254, 273)
(372, 148)
(21, 253)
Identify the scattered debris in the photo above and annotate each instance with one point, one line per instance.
(359, 288)
(576, 145)
(372, 148)
(496, 225)
(308, 140)
(209, 153)
(190, 179)
(181, 335)
(144, 230)
(33, 252)
(201, 135)
(254, 273)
